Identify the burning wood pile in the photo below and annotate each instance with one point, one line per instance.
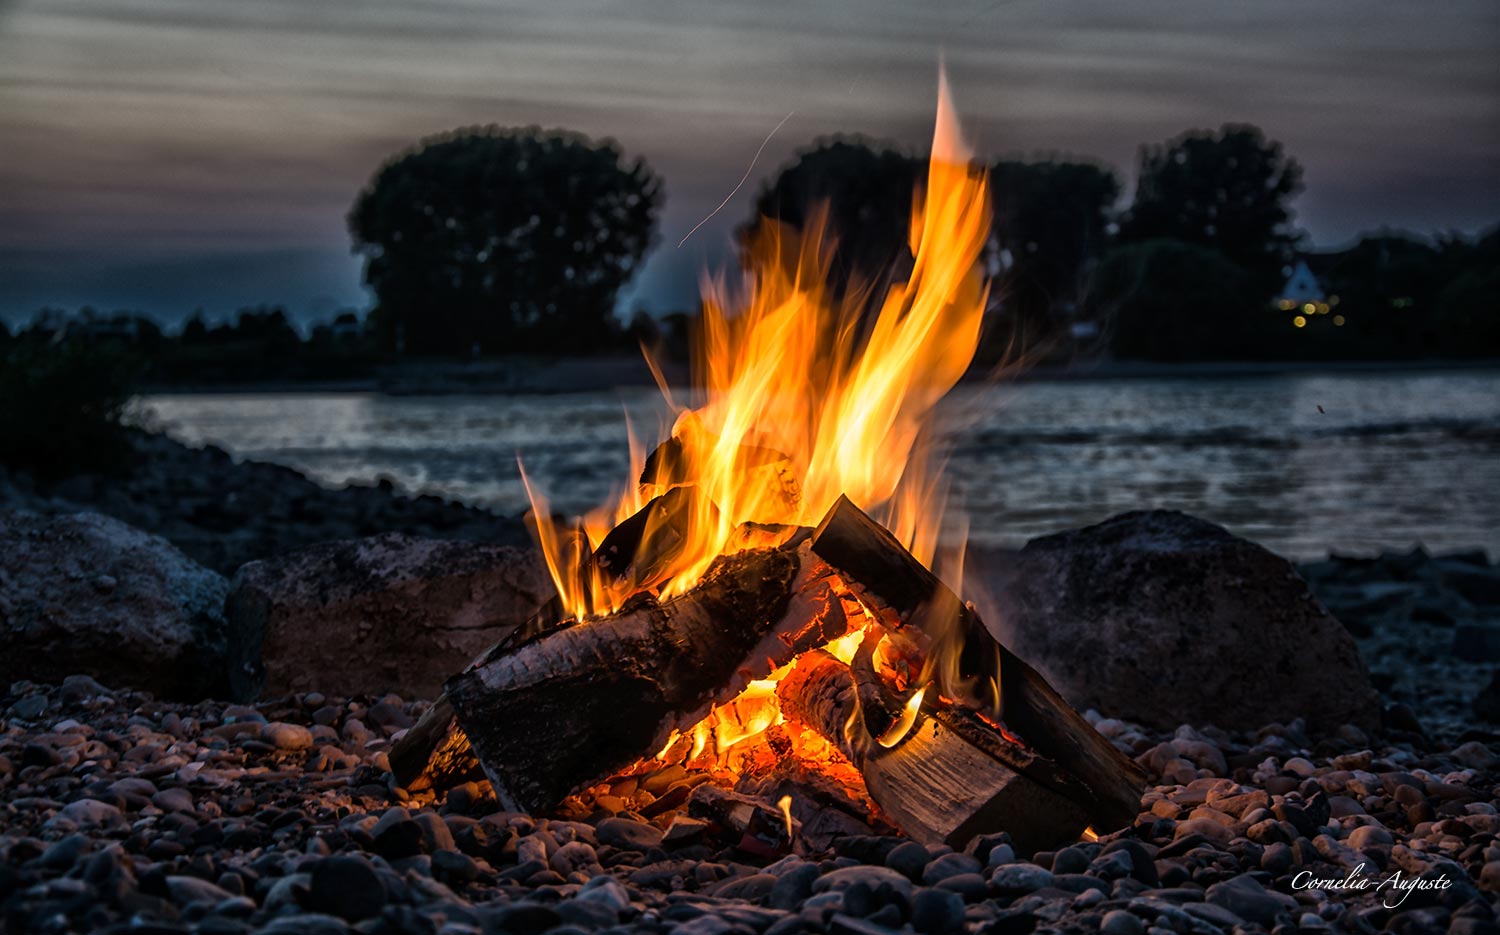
(735, 613)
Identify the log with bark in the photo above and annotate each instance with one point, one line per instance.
(903, 592)
(550, 716)
(949, 778)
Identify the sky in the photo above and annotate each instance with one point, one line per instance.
(167, 155)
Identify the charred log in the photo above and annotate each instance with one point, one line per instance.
(552, 715)
(904, 592)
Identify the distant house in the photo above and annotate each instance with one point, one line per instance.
(1301, 288)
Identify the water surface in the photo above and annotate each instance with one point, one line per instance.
(1302, 463)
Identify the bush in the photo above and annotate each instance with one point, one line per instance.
(1168, 300)
(61, 407)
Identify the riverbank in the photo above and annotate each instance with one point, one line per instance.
(223, 512)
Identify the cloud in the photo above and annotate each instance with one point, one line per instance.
(156, 133)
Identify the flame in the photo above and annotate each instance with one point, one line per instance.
(802, 397)
(785, 804)
(903, 724)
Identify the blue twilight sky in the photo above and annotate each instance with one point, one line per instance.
(171, 154)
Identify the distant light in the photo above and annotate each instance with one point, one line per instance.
(1300, 322)
(1309, 308)
(1338, 320)
(1333, 300)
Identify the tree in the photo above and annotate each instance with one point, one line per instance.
(1227, 191)
(1051, 221)
(1169, 300)
(1386, 285)
(503, 239)
(862, 191)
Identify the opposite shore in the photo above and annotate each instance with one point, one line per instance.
(553, 375)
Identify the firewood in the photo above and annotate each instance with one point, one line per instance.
(936, 783)
(904, 592)
(548, 717)
(435, 753)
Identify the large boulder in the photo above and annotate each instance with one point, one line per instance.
(386, 613)
(85, 593)
(1167, 619)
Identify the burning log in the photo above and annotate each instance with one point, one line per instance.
(938, 784)
(435, 752)
(904, 592)
(549, 716)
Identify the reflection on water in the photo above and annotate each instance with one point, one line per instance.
(1303, 464)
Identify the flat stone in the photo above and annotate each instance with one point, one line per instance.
(344, 617)
(284, 736)
(631, 835)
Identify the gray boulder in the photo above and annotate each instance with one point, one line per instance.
(84, 593)
(386, 613)
(1166, 619)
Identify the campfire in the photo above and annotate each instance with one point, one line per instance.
(757, 618)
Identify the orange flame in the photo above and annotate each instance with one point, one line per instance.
(801, 400)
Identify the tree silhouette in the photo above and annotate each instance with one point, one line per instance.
(866, 191)
(1051, 220)
(1172, 301)
(1227, 191)
(503, 239)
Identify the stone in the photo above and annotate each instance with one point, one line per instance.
(455, 867)
(1162, 618)
(86, 813)
(631, 835)
(173, 800)
(160, 629)
(754, 887)
(936, 911)
(185, 890)
(1120, 922)
(909, 858)
(949, 865)
(883, 882)
(284, 736)
(1246, 898)
(1014, 879)
(346, 617)
(1368, 836)
(793, 887)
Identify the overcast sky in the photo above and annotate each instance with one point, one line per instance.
(169, 154)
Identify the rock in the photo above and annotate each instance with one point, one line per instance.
(161, 628)
(632, 835)
(86, 813)
(909, 858)
(949, 865)
(1474, 755)
(1014, 879)
(1368, 836)
(455, 867)
(793, 887)
(937, 912)
(185, 890)
(396, 835)
(1246, 898)
(883, 882)
(284, 736)
(343, 617)
(1165, 619)
(1120, 922)
(173, 800)
(754, 888)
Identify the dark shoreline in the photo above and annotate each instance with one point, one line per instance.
(549, 376)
